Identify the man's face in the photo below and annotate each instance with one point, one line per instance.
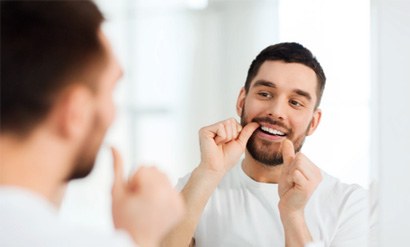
(282, 99)
(104, 113)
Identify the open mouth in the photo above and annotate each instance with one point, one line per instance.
(271, 131)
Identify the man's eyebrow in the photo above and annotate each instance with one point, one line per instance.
(263, 83)
(303, 94)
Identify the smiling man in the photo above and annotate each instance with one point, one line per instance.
(275, 196)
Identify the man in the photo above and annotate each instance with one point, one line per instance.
(275, 196)
(58, 74)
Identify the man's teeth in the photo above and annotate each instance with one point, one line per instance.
(272, 131)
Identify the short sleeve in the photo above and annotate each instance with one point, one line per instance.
(182, 182)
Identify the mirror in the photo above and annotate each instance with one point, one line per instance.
(185, 62)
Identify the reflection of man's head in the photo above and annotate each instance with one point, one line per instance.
(289, 53)
(47, 48)
(261, 87)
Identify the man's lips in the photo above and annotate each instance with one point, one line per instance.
(262, 135)
(272, 131)
(275, 129)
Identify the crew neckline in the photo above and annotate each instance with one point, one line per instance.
(251, 182)
(22, 197)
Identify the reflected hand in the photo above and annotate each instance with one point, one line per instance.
(146, 206)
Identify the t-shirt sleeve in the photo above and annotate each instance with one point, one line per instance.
(353, 224)
(91, 237)
(182, 182)
(315, 244)
(124, 239)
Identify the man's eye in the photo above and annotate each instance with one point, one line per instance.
(295, 103)
(265, 94)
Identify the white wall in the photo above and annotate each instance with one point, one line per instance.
(341, 144)
(229, 36)
(391, 118)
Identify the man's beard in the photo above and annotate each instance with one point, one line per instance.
(87, 153)
(266, 152)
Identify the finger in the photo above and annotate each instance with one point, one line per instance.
(235, 129)
(246, 133)
(299, 179)
(288, 155)
(288, 152)
(211, 131)
(238, 127)
(145, 175)
(229, 128)
(118, 182)
(305, 166)
(135, 179)
(220, 134)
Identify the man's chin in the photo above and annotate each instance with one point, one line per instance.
(271, 161)
(265, 153)
(266, 158)
(81, 171)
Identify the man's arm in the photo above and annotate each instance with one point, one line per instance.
(221, 147)
(299, 179)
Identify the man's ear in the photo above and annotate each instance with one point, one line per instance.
(73, 111)
(317, 115)
(240, 102)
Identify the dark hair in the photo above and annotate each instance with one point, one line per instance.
(45, 46)
(289, 53)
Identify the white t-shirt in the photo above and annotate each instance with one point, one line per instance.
(26, 219)
(243, 212)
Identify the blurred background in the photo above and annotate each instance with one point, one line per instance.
(186, 60)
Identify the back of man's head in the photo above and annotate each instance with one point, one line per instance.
(45, 47)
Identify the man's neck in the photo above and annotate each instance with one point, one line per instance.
(33, 164)
(260, 172)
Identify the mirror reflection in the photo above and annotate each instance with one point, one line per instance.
(185, 63)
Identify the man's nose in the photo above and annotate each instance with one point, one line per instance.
(277, 109)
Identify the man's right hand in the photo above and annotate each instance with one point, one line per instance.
(146, 206)
(223, 143)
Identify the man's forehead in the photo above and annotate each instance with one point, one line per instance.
(278, 72)
(114, 66)
(294, 77)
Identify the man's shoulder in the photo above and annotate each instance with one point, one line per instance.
(231, 177)
(332, 183)
(332, 190)
(182, 181)
(27, 214)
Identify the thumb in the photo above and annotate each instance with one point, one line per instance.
(118, 183)
(246, 133)
(288, 153)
